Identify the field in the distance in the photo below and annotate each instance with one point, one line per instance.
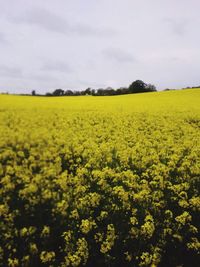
(100, 181)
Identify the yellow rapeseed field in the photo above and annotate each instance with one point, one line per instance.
(100, 181)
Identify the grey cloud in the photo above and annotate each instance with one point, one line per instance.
(57, 66)
(118, 55)
(89, 83)
(80, 44)
(42, 77)
(2, 38)
(10, 72)
(45, 19)
(178, 26)
(52, 22)
(86, 30)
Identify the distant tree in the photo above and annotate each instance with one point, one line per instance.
(122, 91)
(110, 91)
(77, 93)
(4, 93)
(88, 91)
(150, 88)
(58, 92)
(100, 92)
(33, 92)
(105, 92)
(69, 93)
(139, 86)
(48, 94)
(82, 92)
(93, 92)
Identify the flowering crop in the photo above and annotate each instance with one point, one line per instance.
(100, 181)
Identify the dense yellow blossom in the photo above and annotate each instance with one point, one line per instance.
(100, 181)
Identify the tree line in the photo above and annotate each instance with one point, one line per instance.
(137, 86)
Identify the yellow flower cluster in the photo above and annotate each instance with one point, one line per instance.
(100, 181)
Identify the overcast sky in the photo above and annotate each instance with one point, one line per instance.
(75, 44)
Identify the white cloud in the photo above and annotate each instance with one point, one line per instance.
(76, 44)
(118, 55)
